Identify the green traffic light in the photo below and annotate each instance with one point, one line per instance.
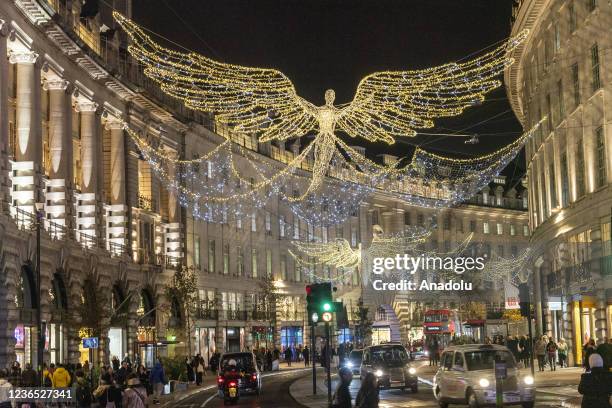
(326, 307)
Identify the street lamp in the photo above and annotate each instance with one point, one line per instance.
(41, 335)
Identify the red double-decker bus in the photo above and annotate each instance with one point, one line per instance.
(442, 324)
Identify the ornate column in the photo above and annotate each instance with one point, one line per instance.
(24, 167)
(537, 293)
(86, 206)
(60, 145)
(117, 215)
(4, 126)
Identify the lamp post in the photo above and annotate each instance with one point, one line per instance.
(41, 331)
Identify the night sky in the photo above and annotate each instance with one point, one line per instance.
(321, 44)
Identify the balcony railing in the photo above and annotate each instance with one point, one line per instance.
(235, 314)
(262, 315)
(207, 314)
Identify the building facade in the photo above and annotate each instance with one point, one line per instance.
(562, 73)
(112, 235)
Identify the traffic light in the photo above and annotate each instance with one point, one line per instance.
(319, 300)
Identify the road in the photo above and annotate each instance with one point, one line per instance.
(276, 394)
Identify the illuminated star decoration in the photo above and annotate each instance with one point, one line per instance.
(264, 102)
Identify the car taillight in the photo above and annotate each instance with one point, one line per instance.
(232, 384)
(220, 379)
(254, 376)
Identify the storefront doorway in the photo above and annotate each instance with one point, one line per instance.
(291, 336)
(204, 343)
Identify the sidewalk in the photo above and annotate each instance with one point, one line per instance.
(209, 382)
(301, 390)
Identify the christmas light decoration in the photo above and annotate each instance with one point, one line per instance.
(515, 269)
(264, 102)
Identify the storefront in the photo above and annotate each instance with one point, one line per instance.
(86, 353)
(117, 342)
(345, 336)
(583, 323)
(204, 342)
(381, 334)
(146, 346)
(55, 343)
(475, 329)
(23, 344)
(262, 337)
(291, 336)
(234, 339)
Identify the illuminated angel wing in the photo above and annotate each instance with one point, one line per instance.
(405, 241)
(389, 104)
(337, 253)
(250, 100)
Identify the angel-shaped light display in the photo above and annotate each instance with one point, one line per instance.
(264, 102)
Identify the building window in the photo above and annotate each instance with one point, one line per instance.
(459, 225)
(485, 227)
(268, 223)
(553, 186)
(560, 99)
(542, 175)
(557, 38)
(596, 80)
(254, 222)
(298, 273)
(226, 249)
(254, 262)
(513, 251)
(324, 234)
(550, 113)
(546, 52)
(353, 236)
(472, 226)
(407, 220)
(591, 5)
(240, 261)
(600, 156)
(564, 181)
(281, 226)
(500, 229)
(310, 232)
(485, 197)
(238, 221)
(512, 230)
(500, 250)
(375, 217)
(211, 255)
(579, 168)
(571, 10)
(296, 228)
(269, 263)
(196, 251)
(283, 267)
(420, 219)
(525, 230)
(446, 224)
(576, 84)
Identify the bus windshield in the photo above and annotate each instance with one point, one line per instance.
(436, 318)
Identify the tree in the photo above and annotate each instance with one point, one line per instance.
(183, 289)
(363, 323)
(269, 296)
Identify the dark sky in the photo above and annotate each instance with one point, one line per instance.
(322, 44)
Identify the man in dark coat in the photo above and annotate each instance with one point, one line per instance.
(342, 396)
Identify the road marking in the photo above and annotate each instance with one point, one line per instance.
(208, 400)
(424, 381)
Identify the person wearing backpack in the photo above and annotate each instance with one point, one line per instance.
(135, 395)
(83, 390)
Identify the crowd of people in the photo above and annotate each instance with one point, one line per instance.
(119, 385)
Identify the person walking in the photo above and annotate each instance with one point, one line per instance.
(61, 377)
(135, 395)
(342, 396)
(200, 370)
(562, 350)
(158, 380)
(5, 386)
(29, 378)
(83, 390)
(190, 365)
(306, 355)
(596, 385)
(367, 397)
(288, 356)
(551, 352)
(589, 349)
(540, 352)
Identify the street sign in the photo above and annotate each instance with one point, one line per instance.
(90, 342)
(327, 317)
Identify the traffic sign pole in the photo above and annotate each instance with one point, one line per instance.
(313, 352)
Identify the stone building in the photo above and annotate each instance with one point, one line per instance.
(561, 73)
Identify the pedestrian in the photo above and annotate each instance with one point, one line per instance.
(122, 374)
(190, 366)
(288, 356)
(367, 397)
(589, 349)
(83, 390)
(269, 360)
(562, 350)
(144, 378)
(551, 352)
(540, 352)
(200, 371)
(107, 395)
(15, 374)
(306, 355)
(5, 386)
(596, 385)
(29, 378)
(115, 363)
(48, 375)
(61, 377)
(342, 396)
(158, 380)
(135, 395)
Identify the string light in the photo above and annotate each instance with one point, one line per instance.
(264, 102)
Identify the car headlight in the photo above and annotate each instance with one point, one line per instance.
(426, 353)
(378, 373)
(349, 364)
(528, 380)
(412, 370)
(484, 383)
